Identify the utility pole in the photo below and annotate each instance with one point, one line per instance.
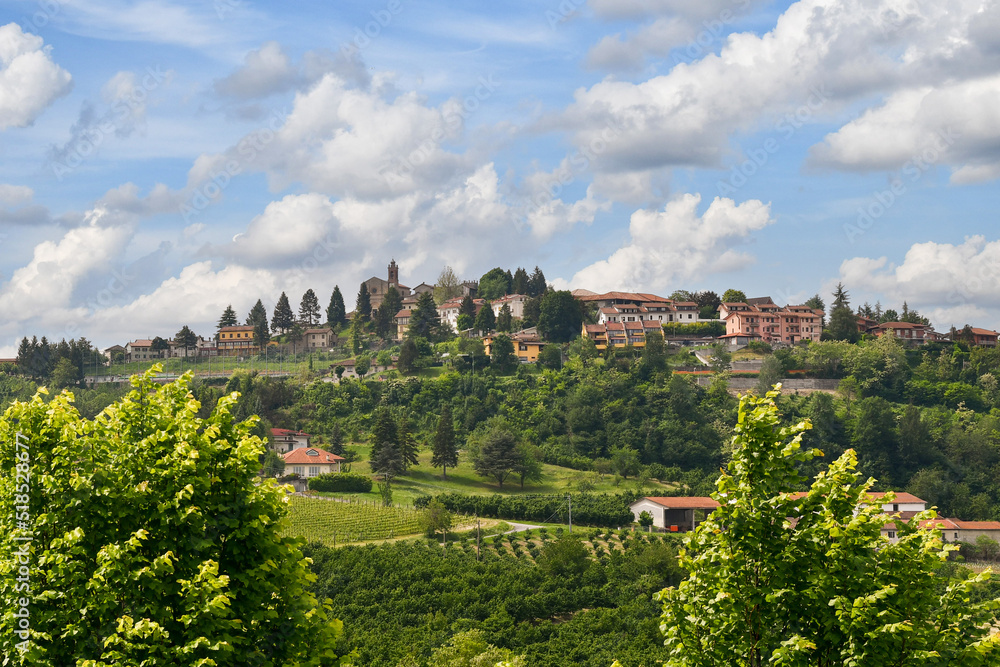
(569, 499)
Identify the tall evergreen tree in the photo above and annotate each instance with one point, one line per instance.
(408, 449)
(843, 323)
(536, 284)
(385, 316)
(425, 320)
(186, 338)
(505, 320)
(385, 457)
(24, 356)
(336, 312)
(363, 305)
(485, 320)
(258, 319)
(497, 455)
(817, 303)
(309, 308)
(445, 452)
(283, 317)
(228, 318)
(467, 307)
(337, 440)
(521, 282)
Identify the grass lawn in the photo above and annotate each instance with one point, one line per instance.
(424, 480)
(218, 366)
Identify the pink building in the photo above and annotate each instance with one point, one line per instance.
(773, 323)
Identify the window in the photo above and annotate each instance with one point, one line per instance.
(313, 471)
(895, 507)
(298, 470)
(892, 534)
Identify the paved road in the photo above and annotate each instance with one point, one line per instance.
(520, 527)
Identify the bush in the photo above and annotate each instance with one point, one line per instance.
(588, 509)
(341, 482)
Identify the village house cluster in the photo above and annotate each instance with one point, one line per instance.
(622, 319)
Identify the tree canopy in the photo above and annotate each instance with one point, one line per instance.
(228, 318)
(153, 541)
(309, 308)
(783, 579)
(560, 318)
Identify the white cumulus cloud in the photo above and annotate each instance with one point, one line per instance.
(29, 80)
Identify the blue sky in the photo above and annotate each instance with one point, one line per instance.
(161, 160)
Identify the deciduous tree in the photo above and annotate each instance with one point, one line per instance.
(826, 589)
(560, 318)
(154, 542)
(447, 286)
(496, 456)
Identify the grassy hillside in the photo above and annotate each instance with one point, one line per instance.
(424, 480)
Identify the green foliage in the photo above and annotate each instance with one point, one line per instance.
(425, 321)
(485, 320)
(733, 296)
(588, 509)
(228, 318)
(407, 356)
(152, 543)
(445, 446)
(363, 305)
(283, 318)
(496, 454)
(435, 518)
(560, 318)
(843, 323)
(341, 482)
(331, 522)
(565, 558)
(550, 356)
(695, 329)
(605, 615)
(828, 590)
(336, 312)
(494, 284)
(505, 320)
(502, 355)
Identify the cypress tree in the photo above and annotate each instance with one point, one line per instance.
(445, 453)
(336, 313)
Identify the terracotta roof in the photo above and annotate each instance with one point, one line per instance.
(984, 332)
(311, 455)
(686, 303)
(744, 335)
(317, 330)
(977, 525)
(901, 497)
(685, 502)
(240, 327)
(144, 342)
(901, 325)
(406, 312)
(596, 328)
(281, 432)
(623, 296)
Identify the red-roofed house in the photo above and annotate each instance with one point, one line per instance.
(774, 324)
(984, 337)
(679, 514)
(311, 461)
(285, 440)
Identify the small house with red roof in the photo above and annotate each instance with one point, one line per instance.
(285, 440)
(678, 514)
(311, 461)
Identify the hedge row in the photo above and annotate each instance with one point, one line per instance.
(610, 510)
(349, 482)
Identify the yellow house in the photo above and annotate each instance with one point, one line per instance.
(236, 340)
(526, 346)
